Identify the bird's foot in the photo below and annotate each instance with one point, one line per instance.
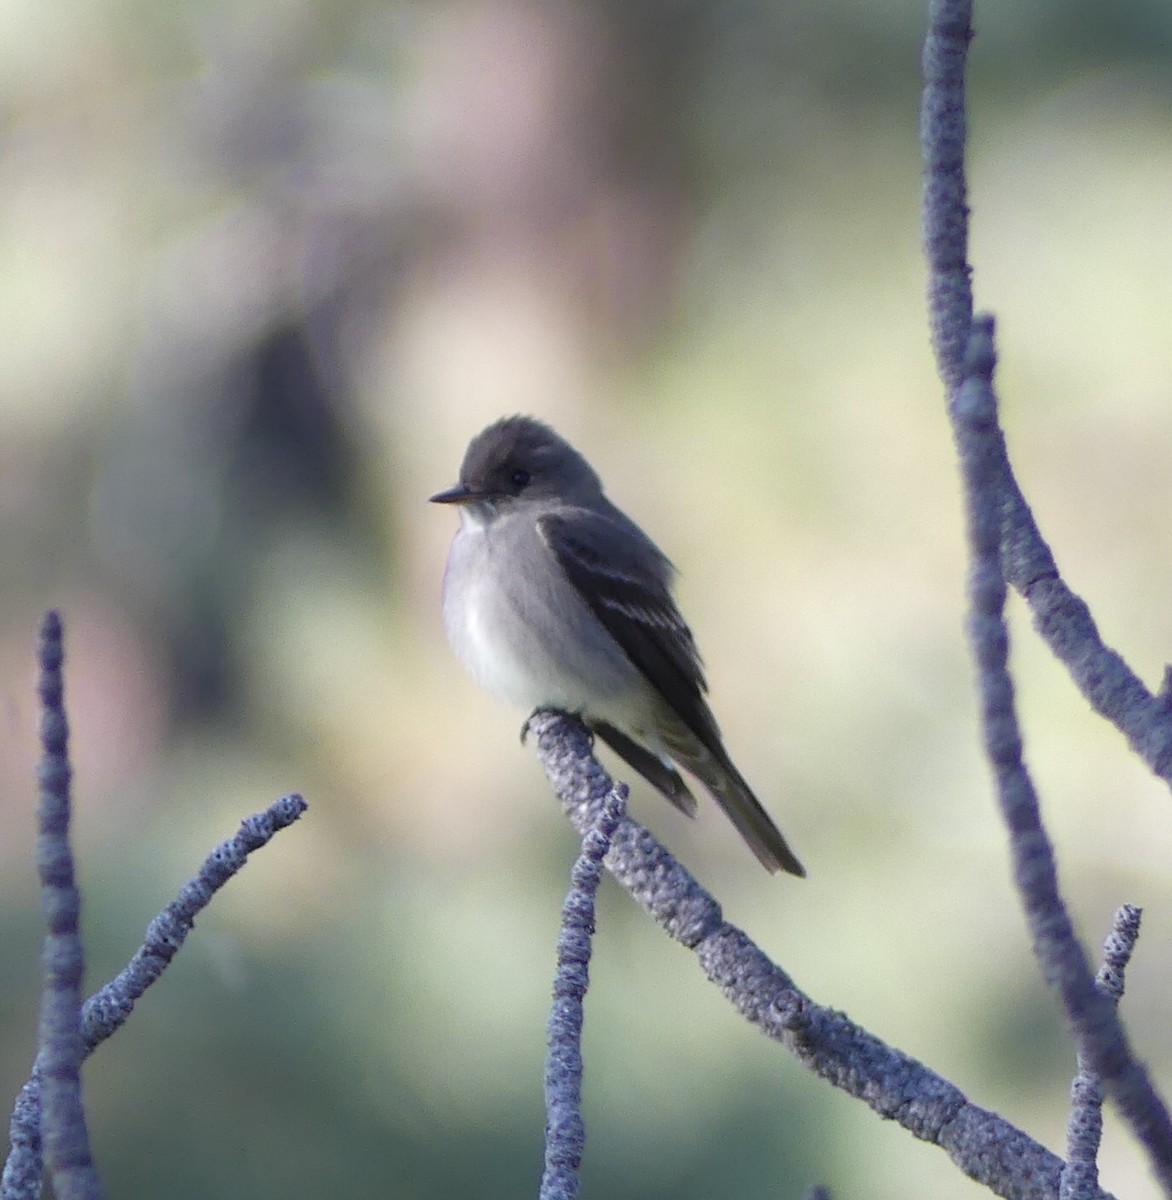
(560, 712)
(525, 725)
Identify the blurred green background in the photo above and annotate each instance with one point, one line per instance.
(267, 266)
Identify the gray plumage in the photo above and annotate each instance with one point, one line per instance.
(553, 598)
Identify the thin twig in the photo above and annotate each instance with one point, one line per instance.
(1062, 619)
(1098, 1031)
(1084, 1130)
(63, 1125)
(106, 1011)
(565, 1131)
(943, 135)
(984, 1145)
(1010, 546)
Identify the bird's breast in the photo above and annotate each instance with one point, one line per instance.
(523, 632)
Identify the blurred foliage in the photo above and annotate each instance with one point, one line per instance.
(268, 266)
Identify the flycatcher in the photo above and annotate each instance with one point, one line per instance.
(553, 598)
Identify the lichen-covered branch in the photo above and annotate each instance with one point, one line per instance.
(1084, 1130)
(47, 1127)
(984, 1145)
(1005, 545)
(1097, 1029)
(565, 1131)
(64, 1133)
(1060, 616)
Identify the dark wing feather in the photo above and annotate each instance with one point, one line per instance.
(659, 774)
(626, 582)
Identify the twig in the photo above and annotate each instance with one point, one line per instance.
(984, 1145)
(106, 1011)
(1010, 547)
(943, 135)
(1084, 1130)
(66, 1138)
(1097, 1029)
(565, 1131)
(1060, 616)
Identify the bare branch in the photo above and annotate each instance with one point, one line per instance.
(1060, 616)
(106, 1011)
(1096, 1026)
(1084, 1130)
(984, 1145)
(65, 1135)
(1000, 524)
(1066, 625)
(943, 134)
(565, 1132)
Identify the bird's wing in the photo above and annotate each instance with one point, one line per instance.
(658, 772)
(626, 582)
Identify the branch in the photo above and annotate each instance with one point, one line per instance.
(1095, 1022)
(66, 1138)
(943, 134)
(1084, 1131)
(984, 1145)
(1062, 619)
(1001, 527)
(565, 1133)
(106, 1011)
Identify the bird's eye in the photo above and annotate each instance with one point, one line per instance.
(520, 478)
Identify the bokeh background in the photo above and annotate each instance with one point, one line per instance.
(267, 265)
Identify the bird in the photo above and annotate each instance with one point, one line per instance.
(553, 598)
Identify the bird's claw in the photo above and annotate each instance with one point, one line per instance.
(525, 725)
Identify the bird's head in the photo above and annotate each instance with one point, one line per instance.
(518, 460)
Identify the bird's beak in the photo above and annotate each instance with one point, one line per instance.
(461, 493)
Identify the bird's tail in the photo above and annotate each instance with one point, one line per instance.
(728, 788)
(659, 772)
